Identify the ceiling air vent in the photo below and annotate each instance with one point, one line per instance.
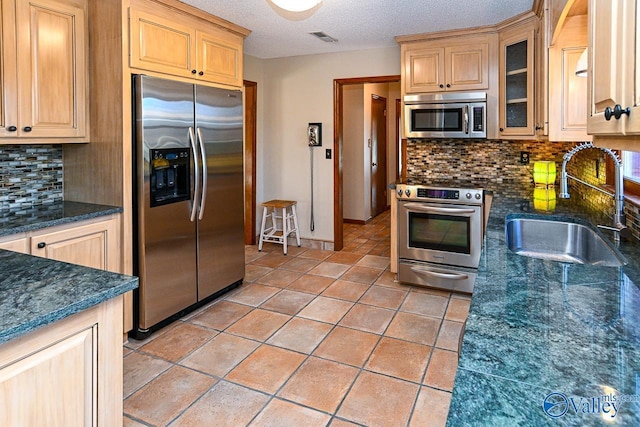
(324, 37)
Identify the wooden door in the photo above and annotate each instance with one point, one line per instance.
(9, 73)
(516, 82)
(53, 386)
(424, 70)
(250, 141)
(378, 155)
(89, 245)
(162, 45)
(51, 39)
(467, 67)
(633, 87)
(610, 60)
(568, 92)
(16, 245)
(219, 59)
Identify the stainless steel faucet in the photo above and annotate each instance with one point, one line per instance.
(619, 227)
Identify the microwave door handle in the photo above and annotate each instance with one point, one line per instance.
(196, 191)
(205, 176)
(422, 208)
(451, 276)
(466, 119)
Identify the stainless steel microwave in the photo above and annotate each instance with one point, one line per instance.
(446, 115)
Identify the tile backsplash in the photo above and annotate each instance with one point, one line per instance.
(498, 162)
(479, 159)
(30, 175)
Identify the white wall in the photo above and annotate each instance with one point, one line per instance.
(294, 91)
(353, 152)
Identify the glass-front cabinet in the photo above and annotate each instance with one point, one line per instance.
(516, 81)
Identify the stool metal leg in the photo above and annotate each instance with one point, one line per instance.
(295, 223)
(264, 221)
(285, 231)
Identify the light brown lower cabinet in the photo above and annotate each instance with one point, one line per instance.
(92, 243)
(68, 373)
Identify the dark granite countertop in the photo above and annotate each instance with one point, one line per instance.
(37, 291)
(35, 218)
(538, 327)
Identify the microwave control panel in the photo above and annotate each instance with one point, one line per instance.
(478, 119)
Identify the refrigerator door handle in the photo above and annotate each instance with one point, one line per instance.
(196, 163)
(205, 177)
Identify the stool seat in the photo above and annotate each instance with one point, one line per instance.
(279, 204)
(285, 211)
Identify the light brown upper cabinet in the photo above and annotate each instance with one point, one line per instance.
(517, 109)
(614, 77)
(567, 91)
(44, 71)
(182, 47)
(455, 64)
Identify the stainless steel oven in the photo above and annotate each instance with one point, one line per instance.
(440, 233)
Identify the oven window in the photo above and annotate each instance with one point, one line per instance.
(447, 233)
(436, 119)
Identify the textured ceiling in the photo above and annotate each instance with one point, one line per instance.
(357, 24)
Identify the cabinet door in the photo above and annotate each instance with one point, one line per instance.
(54, 385)
(516, 82)
(8, 72)
(633, 65)
(610, 60)
(161, 45)
(568, 92)
(467, 67)
(424, 70)
(52, 79)
(219, 59)
(16, 245)
(90, 245)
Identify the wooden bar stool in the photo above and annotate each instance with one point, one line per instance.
(288, 221)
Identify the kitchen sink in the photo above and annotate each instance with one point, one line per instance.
(563, 241)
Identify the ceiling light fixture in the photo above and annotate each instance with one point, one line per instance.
(296, 5)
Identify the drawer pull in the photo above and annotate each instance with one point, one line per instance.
(41, 245)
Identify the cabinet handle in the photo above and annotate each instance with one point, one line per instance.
(12, 128)
(27, 128)
(501, 129)
(617, 112)
(538, 127)
(41, 245)
(193, 71)
(448, 85)
(201, 73)
(441, 86)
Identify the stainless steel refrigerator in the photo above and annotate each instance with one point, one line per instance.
(189, 244)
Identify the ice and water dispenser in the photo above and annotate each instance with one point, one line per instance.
(169, 175)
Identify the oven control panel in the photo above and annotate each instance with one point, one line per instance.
(433, 194)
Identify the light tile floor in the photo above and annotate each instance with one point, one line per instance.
(313, 338)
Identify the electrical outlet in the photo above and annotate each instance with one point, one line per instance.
(327, 153)
(524, 157)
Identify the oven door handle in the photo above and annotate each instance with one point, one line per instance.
(450, 276)
(423, 208)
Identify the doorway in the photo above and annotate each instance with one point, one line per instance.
(250, 125)
(338, 139)
(378, 155)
